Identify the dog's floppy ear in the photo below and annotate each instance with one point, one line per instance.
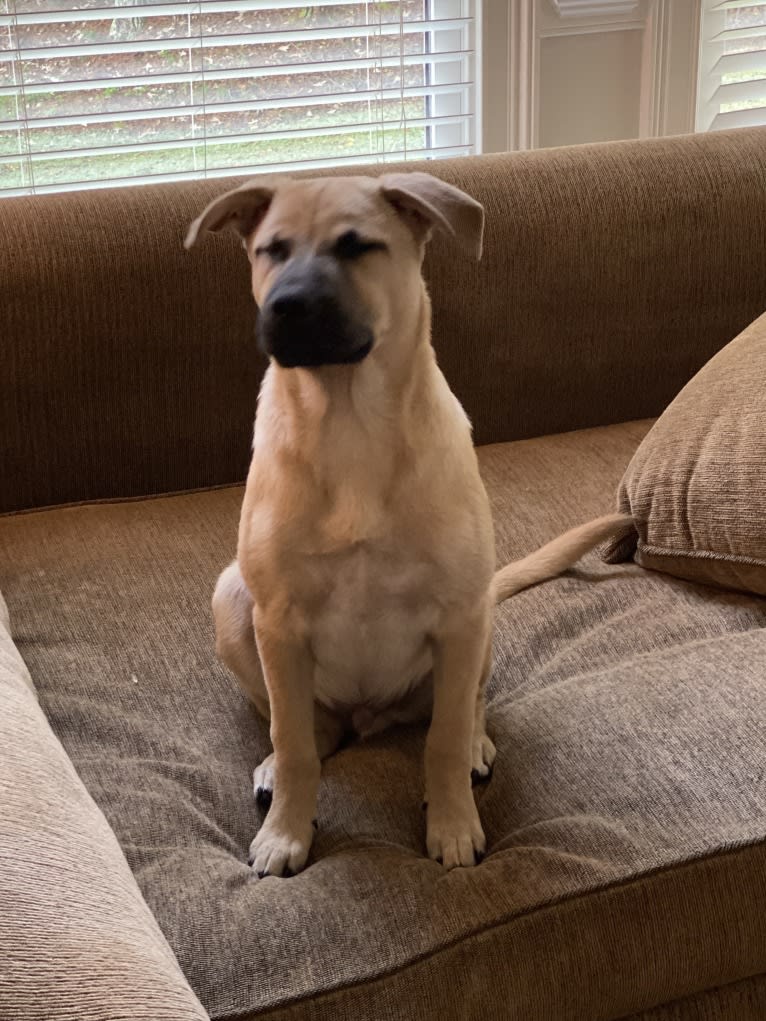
(427, 202)
(243, 208)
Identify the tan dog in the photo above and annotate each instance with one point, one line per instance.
(364, 584)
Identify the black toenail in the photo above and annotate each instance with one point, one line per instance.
(315, 824)
(440, 860)
(424, 806)
(263, 874)
(263, 797)
(477, 778)
(250, 859)
(288, 873)
(478, 857)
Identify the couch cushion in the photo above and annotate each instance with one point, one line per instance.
(697, 486)
(735, 1002)
(77, 939)
(625, 820)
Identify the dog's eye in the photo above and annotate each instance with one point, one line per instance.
(277, 250)
(351, 246)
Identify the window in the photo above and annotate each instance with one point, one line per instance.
(107, 92)
(732, 83)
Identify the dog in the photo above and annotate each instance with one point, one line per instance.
(363, 589)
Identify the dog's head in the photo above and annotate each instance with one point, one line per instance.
(336, 261)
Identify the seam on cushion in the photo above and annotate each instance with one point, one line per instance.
(690, 996)
(109, 500)
(106, 500)
(731, 558)
(637, 659)
(689, 864)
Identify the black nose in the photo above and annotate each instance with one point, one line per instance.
(295, 304)
(310, 319)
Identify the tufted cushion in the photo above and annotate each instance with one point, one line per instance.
(626, 818)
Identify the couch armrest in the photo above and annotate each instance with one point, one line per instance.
(77, 939)
(611, 273)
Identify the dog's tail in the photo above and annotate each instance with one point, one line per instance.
(559, 554)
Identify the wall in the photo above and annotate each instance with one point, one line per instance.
(560, 72)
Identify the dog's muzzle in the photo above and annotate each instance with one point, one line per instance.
(309, 317)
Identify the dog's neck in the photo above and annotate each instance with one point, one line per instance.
(302, 408)
(345, 437)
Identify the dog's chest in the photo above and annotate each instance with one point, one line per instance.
(370, 633)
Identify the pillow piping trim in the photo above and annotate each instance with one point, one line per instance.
(731, 558)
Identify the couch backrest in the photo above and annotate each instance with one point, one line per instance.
(611, 273)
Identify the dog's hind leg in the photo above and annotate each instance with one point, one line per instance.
(235, 644)
(235, 637)
(328, 733)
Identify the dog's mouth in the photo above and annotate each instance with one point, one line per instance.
(357, 354)
(312, 317)
(310, 334)
(310, 349)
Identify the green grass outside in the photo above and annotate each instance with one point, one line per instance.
(171, 161)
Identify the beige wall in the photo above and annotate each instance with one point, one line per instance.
(589, 88)
(560, 72)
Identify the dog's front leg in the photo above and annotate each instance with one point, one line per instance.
(282, 843)
(454, 834)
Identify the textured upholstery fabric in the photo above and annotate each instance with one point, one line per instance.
(741, 1001)
(697, 484)
(626, 818)
(611, 274)
(77, 940)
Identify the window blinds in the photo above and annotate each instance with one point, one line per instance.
(98, 93)
(732, 84)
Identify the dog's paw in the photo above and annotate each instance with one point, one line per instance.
(263, 782)
(275, 852)
(455, 837)
(482, 759)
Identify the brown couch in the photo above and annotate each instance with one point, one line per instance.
(626, 819)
